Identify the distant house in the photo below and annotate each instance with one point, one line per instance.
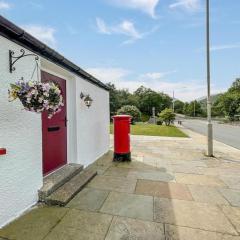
(36, 145)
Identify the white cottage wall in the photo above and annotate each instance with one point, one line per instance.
(21, 131)
(21, 135)
(92, 122)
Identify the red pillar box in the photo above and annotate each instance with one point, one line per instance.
(122, 138)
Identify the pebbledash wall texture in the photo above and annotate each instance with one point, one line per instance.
(21, 131)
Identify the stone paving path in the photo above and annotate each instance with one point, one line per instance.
(170, 191)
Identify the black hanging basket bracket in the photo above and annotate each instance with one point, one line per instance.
(13, 59)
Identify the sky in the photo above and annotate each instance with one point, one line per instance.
(156, 43)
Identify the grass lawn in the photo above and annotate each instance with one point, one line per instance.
(154, 130)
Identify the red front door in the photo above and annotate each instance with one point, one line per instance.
(54, 131)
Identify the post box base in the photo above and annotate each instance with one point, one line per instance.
(122, 157)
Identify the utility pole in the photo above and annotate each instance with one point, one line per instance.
(209, 104)
(194, 108)
(173, 105)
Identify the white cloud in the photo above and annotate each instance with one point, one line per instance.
(125, 27)
(43, 33)
(184, 90)
(216, 48)
(146, 6)
(188, 5)
(156, 75)
(113, 75)
(4, 5)
(101, 25)
(225, 47)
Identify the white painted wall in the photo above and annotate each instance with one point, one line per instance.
(92, 123)
(21, 132)
(21, 135)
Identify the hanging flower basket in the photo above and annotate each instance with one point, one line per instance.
(37, 96)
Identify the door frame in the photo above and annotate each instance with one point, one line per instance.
(42, 71)
(72, 109)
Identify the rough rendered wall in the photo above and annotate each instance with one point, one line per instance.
(21, 134)
(92, 123)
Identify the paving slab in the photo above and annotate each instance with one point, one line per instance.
(207, 194)
(164, 190)
(164, 165)
(111, 183)
(213, 162)
(99, 169)
(182, 162)
(34, 225)
(192, 214)
(233, 214)
(81, 225)
(89, 199)
(135, 165)
(129, 205)
(152, 175)
(233, 196)
(127, 228)
(117, 172)
(212, 171)
(184, 233)
(199, 180)
(186, 169)
(231, 181)
(105, 160)
(68, 233)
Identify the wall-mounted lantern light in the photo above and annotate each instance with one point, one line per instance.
(87, 99)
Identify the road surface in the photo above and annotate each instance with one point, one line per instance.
(225, 133)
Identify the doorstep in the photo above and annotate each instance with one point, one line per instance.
(58, 178)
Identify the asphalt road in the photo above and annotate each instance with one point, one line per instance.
(225, 133)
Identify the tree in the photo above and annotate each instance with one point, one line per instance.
(113, 98)
(147, 99)
(126, 98)
(119, 98)
(235, 86)
(178, 106)
(193, 109)
(133, 111)
(167, 116)
(230, 104)
(217, 107)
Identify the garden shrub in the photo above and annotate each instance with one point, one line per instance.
(132, 111)
(167, 116)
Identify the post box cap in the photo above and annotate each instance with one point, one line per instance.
(122, 117)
